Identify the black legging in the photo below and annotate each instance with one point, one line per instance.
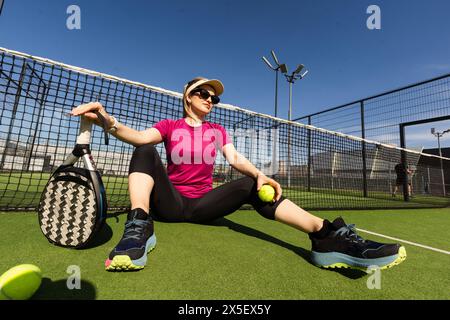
(167, 204)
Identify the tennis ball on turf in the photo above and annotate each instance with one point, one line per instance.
(20, 282)
(266, 193)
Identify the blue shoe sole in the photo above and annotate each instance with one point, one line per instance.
(124, 262)
(340, 260)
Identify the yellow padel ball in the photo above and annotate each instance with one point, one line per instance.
(20, 282)
(266, 193)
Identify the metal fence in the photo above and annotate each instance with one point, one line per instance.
(380, 117)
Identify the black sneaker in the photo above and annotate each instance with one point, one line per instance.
(138, 239)
(341, 247)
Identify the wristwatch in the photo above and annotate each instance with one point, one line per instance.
(114, 125)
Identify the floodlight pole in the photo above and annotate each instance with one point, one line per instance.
(291, 79)
(276, 91)
(282, 67)
(276, 69)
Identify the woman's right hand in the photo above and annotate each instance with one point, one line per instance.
(88, 110)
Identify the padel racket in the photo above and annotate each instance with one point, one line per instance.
(73, 205)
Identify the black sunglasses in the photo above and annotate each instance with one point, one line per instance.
(204, 94)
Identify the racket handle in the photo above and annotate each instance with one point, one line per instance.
(70, 160)
(84, 137)
(104, 126)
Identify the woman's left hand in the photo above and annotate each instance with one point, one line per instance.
(263, 179)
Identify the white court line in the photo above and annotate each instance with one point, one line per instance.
(404, 241)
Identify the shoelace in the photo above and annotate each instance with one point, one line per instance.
(350, 232)
(134, 229)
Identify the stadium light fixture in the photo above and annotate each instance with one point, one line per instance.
(268, 63)
(304, 74)
(299, 68)
(274, 57)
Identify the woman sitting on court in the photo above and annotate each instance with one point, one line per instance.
(184, 193)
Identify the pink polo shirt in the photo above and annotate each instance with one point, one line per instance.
(191, 152)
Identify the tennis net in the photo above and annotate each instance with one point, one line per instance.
(317, 168)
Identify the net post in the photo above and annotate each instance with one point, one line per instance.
(364, 155)
(41, 102)
(309, 156)
(14, 111)
(404, 163)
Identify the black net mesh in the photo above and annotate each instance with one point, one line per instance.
(318, 169)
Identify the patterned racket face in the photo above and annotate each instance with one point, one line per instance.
(68, 209)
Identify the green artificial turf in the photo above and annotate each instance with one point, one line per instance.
(23, 190)
(242, 256)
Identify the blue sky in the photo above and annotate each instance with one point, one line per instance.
(166, 43)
